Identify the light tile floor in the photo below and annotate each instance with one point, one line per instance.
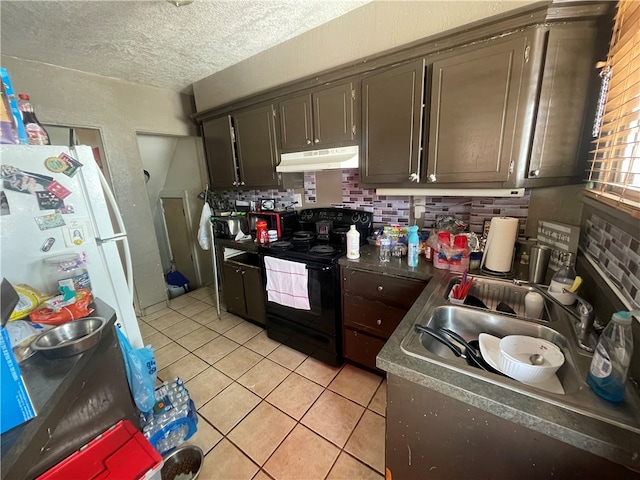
(267, 411)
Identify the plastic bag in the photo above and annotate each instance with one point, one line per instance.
(140, 365)
(29, 299)
(79, 309)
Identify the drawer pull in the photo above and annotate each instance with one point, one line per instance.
(379, 288)
(379, 321)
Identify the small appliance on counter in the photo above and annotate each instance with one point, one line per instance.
(228, 227)
(284, 223)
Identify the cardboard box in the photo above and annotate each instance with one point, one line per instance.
(16, 407)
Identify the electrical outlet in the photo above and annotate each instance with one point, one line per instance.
(297, 197)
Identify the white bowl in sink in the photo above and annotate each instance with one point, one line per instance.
(515, 353)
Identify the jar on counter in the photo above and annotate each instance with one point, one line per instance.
(67, 270)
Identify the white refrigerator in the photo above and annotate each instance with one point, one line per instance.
(55, 201)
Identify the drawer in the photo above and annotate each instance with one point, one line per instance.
(399, 292)
(371, 316)
(361, 348)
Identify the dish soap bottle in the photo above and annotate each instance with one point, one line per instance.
(353, 243)
(610, 363)
(565, 276)
(412, 250)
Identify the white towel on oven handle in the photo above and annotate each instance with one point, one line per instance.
(287, 283)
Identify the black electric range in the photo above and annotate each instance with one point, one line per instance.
(318, 245)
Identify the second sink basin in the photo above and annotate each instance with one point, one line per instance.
(470, 323)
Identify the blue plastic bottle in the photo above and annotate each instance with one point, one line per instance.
(412, 251)
(610, 363)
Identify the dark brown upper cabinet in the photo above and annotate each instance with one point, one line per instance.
(473, 133)
(323, 118)
(257, 147)
(566, 105)
(392, 113)
(241, 149)
(219, 151)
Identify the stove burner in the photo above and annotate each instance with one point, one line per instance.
(303, 235)
(280, 245)
(322, 250)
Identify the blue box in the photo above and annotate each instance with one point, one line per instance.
(13, 104)
(16, 407)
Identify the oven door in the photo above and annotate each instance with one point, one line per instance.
(315, 332)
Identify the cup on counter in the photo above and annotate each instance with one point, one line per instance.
(538, 263)
(533, 305)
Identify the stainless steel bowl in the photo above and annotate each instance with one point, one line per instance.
(70, 338)
(184, 460)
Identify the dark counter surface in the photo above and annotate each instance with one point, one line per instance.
(245, 245)
(369, 260)
(54, 385)
(621, 444)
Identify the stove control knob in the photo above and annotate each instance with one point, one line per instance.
(379, 321)
(379, 288)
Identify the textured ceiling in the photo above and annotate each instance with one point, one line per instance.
(155, 42)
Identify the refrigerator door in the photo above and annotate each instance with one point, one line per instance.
(45, 212)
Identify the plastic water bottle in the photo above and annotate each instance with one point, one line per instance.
(385, 246)
(610, 363)
(353, 243)
(412, 250)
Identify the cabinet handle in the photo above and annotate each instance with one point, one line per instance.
(242, 183)
(242, 272)
(379, 288)
(414, 177)
(534, 173)
(316, 141)
(238, 270)
(432, 178)
(308, 142)
(379, 321)
(235, 184)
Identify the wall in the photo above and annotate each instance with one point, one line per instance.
(118, 109)
(365, 31)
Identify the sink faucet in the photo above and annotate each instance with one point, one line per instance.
(584, 327)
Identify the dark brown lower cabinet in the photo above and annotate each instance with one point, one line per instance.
(373, 305)
(433, 436)
(243, 290)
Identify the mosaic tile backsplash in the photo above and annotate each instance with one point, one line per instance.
(616, 252)
(388, 209)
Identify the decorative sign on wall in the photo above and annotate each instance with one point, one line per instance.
(559, 236)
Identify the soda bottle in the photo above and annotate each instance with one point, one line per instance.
(36, 133)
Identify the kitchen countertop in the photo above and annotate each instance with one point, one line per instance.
(616, 443)
(56, 386)
(246, 245)
(369, 260)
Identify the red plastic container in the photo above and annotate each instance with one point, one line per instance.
(121, 452)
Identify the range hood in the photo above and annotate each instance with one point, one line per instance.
(314, 160)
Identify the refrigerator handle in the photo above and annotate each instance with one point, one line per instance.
(122, 236)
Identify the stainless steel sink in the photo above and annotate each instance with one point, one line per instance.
(470, 323)
(557, 326)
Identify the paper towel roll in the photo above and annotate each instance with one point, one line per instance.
(498, 252)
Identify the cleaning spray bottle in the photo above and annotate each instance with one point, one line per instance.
(611, 359)
(412, 251)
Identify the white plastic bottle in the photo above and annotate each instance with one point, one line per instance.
(353, 243)
(610, 363)
(385, 246)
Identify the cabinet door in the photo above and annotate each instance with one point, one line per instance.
(564, 97)
(474, 107)
(218, 145)
(296, 129)
(392, 105)
(333, 115)
(256, 143)
(233, 288)
(254, 294)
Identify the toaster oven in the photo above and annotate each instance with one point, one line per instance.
(285, 223)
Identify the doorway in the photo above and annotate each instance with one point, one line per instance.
(179, 239)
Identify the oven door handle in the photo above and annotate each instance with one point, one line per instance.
(322, 269)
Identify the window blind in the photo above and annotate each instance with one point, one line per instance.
(614, 176)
